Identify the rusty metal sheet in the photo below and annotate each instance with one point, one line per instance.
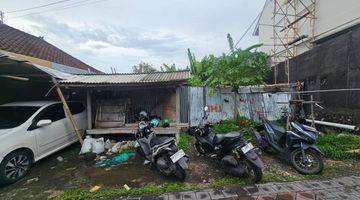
(252, 105)
(243, 105)
(275, 104)
(196, 105)
(214, 103)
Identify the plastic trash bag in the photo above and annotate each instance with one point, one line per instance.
(108, 144)
(98, 145)
(87, 145)
(117, 160)
(116, 147)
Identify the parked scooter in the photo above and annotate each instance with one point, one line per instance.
(297, 145)
(162, 152)
(237, 155)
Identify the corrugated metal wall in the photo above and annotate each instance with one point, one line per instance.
(222, 104)
(184, 104)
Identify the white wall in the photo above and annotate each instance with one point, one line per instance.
(331, 16)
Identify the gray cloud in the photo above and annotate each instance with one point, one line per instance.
(123, 33)
(155, 42)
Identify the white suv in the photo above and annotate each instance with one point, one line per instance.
(30, 131)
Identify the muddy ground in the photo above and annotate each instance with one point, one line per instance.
(50, 177)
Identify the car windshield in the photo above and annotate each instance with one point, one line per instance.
(13, 116)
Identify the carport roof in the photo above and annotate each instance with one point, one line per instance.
(127, 79)
(12, 67)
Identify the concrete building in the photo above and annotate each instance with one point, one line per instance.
(282, 22)
(317, 43)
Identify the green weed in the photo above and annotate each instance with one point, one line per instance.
(184, 141)
(340, 146)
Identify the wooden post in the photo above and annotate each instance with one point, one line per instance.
(235, 105)
(312, 111)
(177, 105)
(88, 108)
(66, 107)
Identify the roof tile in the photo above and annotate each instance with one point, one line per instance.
(17, 41)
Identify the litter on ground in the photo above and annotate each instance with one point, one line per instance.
(117, 160)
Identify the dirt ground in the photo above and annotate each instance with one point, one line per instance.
(50, 177)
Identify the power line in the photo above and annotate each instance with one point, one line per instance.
(69, 6)
(36, 7)
(247, 30)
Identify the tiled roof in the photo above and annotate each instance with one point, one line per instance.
(16, 41)
(125, 79)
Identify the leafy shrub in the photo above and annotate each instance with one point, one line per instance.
(240, 123)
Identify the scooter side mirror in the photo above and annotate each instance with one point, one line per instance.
(206, 108)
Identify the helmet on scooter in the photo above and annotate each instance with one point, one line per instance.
(155, 122)
(143, 116)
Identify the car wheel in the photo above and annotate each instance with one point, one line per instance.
(15, 166)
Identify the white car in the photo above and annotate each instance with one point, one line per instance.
(30, 131)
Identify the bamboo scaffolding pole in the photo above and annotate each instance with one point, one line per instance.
(68, 112)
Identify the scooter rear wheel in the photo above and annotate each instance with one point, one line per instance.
(312, 164)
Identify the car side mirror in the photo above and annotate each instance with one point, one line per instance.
(43, 122)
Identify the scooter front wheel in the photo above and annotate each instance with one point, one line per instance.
(199, 148)
(140, 151)
(180, 173)
(254, 173)
(312, 163)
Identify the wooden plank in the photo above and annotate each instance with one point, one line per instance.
(177, 105)
(131, 130)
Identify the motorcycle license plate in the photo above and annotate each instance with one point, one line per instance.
(177, 156)
(247, 147)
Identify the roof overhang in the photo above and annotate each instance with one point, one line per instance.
(18, 69)
(157, 79)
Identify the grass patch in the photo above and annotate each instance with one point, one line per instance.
(184, 141)
(115, 192)
(340, 146)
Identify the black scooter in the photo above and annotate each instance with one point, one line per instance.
(162, 152)
(297, 145)
(236, 154)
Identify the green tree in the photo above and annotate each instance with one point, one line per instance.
(143, 67)
(171, 68)
(239, 68)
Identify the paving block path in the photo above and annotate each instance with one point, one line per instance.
(334, 189)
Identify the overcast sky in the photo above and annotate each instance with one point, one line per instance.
(122, 33)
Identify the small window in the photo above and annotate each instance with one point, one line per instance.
(54, 113)
(76, 107)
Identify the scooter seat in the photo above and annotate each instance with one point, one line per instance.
(160, 140)
(221, 137)
(277, 128)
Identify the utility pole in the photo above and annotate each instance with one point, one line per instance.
(1, 17)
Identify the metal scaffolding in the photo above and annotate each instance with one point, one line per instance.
(293, 25)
